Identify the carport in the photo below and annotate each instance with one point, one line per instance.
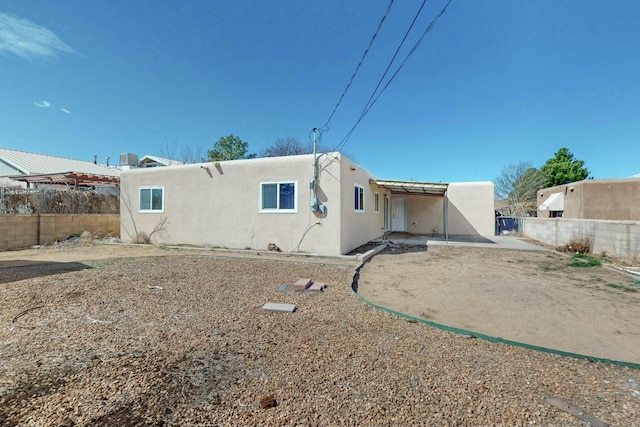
(413, 188)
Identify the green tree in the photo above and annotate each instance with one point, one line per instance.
(518, 185)
(563, 168)
(229, 148)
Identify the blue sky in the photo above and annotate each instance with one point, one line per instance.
(493, 83)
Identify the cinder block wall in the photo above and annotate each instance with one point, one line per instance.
(21, 231)
(18, 231)
(618, 238)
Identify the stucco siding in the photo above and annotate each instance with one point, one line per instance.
(470, 208)
(218, 204)
(359, 227)
(425, 214)
(613, 199)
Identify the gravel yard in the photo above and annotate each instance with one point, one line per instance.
(179, 338)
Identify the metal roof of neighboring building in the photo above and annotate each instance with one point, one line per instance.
(412, 187)
(24, 163)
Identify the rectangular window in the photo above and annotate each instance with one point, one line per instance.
(376, 202)
(358, 198)
(278, 197)
(151, 199)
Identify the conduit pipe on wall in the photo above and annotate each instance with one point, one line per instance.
(313, 203)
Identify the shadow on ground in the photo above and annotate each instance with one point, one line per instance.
(13, 271)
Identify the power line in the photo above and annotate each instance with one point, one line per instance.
(395, 54)
(374, 98)
(364, 55)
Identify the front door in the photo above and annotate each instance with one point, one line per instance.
(399, 215)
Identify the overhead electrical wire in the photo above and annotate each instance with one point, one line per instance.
(374, 98)
(364, 55)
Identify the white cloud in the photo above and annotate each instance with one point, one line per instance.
(64, 110)
(28, 40)
(42, 104)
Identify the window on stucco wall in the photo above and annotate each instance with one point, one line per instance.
(278, 196)
(151, 199)
(358, 198)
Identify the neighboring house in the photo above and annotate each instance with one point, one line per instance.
(608, 199)
(326, 206)
(154, 161)
(31, 170)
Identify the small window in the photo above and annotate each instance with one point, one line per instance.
(152, 199)
(278, 197)
(376, 202)
(358, 198)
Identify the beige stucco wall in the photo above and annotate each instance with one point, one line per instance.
(470, 208)
(425, 214)
(208, 205)
(608, 199)
(358, 228)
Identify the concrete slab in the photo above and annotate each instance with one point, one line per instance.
(503, 242)
(278, 308)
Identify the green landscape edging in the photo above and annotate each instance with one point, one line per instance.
(498, 339)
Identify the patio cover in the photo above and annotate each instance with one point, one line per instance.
(72, 179)
(420, 188)
(555, 202)
(412, 187)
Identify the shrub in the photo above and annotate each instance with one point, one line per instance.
(582, 260)
(575, 246)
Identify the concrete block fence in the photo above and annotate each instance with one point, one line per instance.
(617, 238)
(22, 231)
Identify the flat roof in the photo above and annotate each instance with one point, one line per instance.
(413, 187)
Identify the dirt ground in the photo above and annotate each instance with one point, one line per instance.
(107, 335)
(525, 296)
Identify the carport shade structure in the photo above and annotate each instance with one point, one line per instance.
(71, 179)
(416, 188)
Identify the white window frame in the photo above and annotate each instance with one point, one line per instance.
(278, 209)
(150, 210)
(358, 199)
(376, 202)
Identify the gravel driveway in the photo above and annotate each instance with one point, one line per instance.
(180, 339)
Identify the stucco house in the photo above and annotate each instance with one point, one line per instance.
(607, 199)
(324, 204)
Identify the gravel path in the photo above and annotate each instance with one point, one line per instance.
(181, 340)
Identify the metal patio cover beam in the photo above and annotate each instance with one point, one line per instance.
(412, 187)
